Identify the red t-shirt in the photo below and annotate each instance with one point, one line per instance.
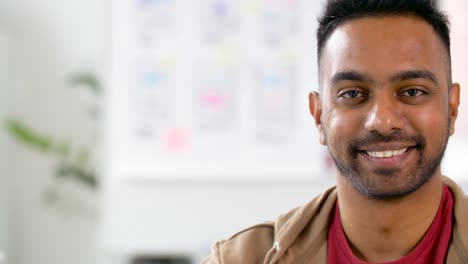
(432, 249)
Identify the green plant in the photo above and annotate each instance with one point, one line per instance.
(73, 164)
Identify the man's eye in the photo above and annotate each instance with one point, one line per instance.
(352, 94)
(412, 92)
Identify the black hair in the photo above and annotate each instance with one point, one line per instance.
(337, 12)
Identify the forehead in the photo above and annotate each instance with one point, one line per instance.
(381, 46)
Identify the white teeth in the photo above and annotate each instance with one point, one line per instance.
(386, 154)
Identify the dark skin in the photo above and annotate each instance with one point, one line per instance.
(386, 75)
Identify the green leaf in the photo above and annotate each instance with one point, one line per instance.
(28, 136)
(79, 174)
(86, 79)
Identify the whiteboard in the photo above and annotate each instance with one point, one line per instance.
(212, 90)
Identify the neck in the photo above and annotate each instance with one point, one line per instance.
(387, 230)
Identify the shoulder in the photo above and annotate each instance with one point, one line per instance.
(459, 245)
(247, 246)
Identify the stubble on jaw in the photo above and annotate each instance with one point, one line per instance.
(424, 169)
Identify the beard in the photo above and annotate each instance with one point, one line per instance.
(389, 183)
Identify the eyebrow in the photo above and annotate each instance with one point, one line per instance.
(415, 74)
(350, 76)
(400, 76)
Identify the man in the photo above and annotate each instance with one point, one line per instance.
(385, 109)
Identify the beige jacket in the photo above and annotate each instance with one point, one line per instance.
(300, 236)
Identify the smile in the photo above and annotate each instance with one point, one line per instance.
(386, 153)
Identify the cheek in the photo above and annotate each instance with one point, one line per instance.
(340, 128)
(433, 125)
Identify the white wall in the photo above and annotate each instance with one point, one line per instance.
(456, 9)
(186, 218)
(4, 180)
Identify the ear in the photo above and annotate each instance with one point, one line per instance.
(315, 108)
(454, 102)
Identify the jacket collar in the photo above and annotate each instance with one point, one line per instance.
(302, 233)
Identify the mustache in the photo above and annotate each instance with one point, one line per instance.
(375, 137)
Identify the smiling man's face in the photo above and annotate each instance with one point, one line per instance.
(386, 109)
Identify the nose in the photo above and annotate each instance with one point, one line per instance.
(384, 116)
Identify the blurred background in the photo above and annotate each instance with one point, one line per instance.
(141, 131)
